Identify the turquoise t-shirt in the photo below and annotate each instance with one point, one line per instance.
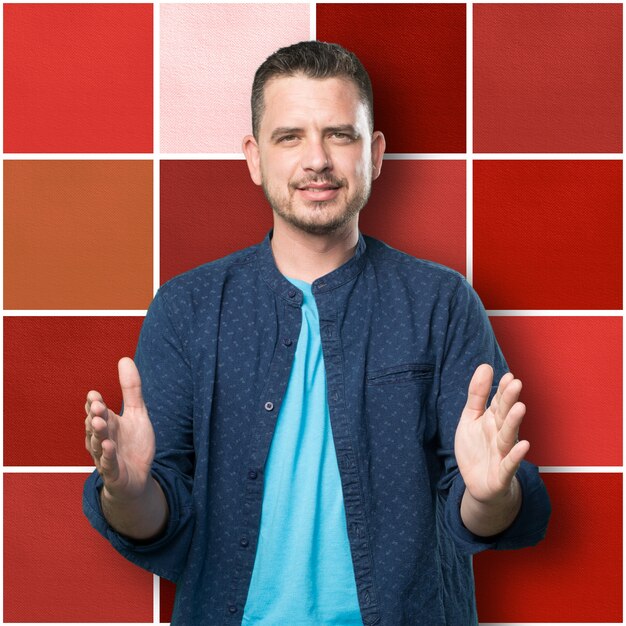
(303, 573)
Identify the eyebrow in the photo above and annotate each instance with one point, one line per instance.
(295, 130)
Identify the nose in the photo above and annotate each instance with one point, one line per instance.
(315, 156)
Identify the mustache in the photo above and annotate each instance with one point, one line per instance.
(323, 180)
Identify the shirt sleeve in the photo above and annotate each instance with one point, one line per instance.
(469, 342)
(167, 387)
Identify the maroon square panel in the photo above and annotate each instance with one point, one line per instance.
(167, 594)
(208, 210)
(419, 207)
(571, 369)
(548, 234)
(50, 363)
(415, 56)
(57, 568)
(574, 574)
(548, 77)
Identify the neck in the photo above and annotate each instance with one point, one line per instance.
(305, 256)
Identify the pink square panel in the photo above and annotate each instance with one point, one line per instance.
(415, 56)
(571, 369)
(573, 575)
(548, 234)
(209, 54)
(50, 363)
(56, 567)
(78, 77)
(548, 77)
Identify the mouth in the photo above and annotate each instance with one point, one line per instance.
(318, 192)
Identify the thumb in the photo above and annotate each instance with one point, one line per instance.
(130, 382)
(478, 391)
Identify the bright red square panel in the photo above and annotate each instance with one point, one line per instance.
(419, 207)
(575, 573)
(415, 56)
(548, 77)
(50, 363)
(78, 77)
(548, 234)
(571, 369)
(56, 567)
(208, 210)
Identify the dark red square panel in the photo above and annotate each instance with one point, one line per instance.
(419, 207)
(575, 574)
(547, 77)
(571, 370)
(167, 594)
(208, 210)
(415, 56)
(56, 567)
(78, 77)
(548, 234)
(50, 363)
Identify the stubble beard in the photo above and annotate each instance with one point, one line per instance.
(284, 207)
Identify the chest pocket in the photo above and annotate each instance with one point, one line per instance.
(404, 373)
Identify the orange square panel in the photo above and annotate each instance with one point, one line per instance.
(57, 568)
(77, 234)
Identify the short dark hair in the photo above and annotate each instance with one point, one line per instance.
(314, 59)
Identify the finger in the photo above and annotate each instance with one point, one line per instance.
(511, 462)
(91, 397)
(99, 433)
(510, 395)
(495, 401)
(478, 391)
(109, 466)
(508, 434)
(130, 382)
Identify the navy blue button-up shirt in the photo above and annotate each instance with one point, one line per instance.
(401, 338)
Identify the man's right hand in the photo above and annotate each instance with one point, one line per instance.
(122, 447)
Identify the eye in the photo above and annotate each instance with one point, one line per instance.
(287, 139)
(342, 137)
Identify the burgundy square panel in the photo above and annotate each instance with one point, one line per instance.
(56, 567)
(571, 369)
(78, 77)
(575, 574)
(548, 234)
(50, 363)
(208, 210)
(419, 207)
(167, 594)
(415, 56)
(548, 77)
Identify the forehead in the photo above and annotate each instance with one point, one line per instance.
(300, 100)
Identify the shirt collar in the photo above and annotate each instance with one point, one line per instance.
(281, 286)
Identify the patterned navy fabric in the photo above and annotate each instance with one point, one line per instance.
(401, 338)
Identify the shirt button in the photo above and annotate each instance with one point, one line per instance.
(232, 608)
(243, 542)
(287, 341)
(252, 474)
(269, 406)
(292, 293)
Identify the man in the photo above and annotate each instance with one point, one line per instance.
(319, 458)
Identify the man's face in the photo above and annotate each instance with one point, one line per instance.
(315, 156)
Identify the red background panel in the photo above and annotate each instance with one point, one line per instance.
(548, 234)
(571, 369)
(548, 77)
(575, 574)
(56, 567)
(78, 77)
(167, 591)
(212, 208)
(415, 56)
(50, 363)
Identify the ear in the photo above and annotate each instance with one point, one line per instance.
(251, 151)
(378, 149)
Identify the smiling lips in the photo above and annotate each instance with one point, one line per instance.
(318, 192)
